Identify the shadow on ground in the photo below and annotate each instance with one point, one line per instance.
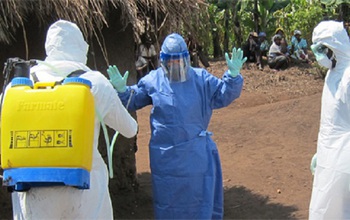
(240, 203)
(5, 203)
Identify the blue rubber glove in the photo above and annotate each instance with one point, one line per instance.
(319, 50)
(117, 80)
(313, 164)
(236, 62)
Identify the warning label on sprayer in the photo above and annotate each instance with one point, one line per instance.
(41, 139)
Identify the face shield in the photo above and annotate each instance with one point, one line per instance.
(175, 66)
(324, 56)
(175, 59)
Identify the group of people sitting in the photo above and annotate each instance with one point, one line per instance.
(280, 53)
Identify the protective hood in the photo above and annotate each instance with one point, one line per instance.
(175, 60)
(64, 41)
(174, 44)
(333, 35)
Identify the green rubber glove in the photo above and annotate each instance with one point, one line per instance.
(236, 62)
(313, 164)
(319, 50)
(117, 80)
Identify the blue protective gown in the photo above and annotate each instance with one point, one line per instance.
(184, 160)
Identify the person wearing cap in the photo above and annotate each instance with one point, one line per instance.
(264, 44)
(277, 59)
(66, 52)
(298, 48)
(184, 160)
(264, 48)
(251, 47)
(284, 42)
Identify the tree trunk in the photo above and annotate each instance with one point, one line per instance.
(216, 40)
(343, 12)
(226, 32)
(121, 52)
(236, 26)
(256, 16)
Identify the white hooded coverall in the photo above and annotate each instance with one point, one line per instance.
(66, 52)
(331, 187)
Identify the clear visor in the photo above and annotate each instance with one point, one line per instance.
(176, 67)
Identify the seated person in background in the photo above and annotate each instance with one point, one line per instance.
(276, 58)
(251, 48)
(264, 48)
(264, 44)
(298, 47)
(284, 42)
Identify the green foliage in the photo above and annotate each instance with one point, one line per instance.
(290, 15)
(267, 19)
(334, 2)
(300, 15)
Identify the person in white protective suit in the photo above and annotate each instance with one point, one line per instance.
(66, 52)
(330, 197)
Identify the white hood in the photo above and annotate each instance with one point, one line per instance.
(66, 52)
(333, 35)
(64, 41)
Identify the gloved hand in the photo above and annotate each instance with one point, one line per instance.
(313, 163)
(319, 50)
(236, 62)
(116, 79)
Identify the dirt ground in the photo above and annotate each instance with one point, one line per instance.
(266, 140)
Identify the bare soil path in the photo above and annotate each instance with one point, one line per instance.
(266, 140)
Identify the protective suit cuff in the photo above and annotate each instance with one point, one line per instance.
(123, 90)
(229, 75)
(123, 94)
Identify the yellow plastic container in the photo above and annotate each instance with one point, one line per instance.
(47, 126)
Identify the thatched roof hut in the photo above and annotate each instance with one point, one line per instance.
(18, 18)
(112, 29)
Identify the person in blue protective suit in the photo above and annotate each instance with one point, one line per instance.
(185, 165)
(66, 52)
(330, 197)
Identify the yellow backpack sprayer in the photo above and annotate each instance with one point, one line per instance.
(47, 130)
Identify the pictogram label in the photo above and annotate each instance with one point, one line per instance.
(41, 139)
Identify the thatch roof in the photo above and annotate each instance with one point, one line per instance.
(92, 15)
